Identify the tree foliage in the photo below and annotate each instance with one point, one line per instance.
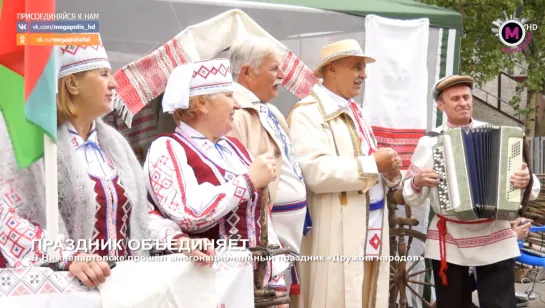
(482, 56)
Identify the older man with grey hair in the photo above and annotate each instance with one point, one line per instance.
(259, 125)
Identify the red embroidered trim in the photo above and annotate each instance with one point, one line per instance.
(178, 172)
(414, 187)
(67, 266)
(473, 242)
(250, 184)
(359, 118)
(442, 235)
(412, 171)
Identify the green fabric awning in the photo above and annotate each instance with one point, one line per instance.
(399, 9)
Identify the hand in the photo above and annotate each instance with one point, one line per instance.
(427, 178)
(201, 248)
(263, 170)
(521, 227)
(397, 167)
(521, 179)
(387, 160)
(89, 270)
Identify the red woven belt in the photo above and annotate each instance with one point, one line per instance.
(442, 228)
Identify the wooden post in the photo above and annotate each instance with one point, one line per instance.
(265, 297)
(264, 221)
(51, 196)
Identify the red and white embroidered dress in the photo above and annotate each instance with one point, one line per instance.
(111, 221)
(202, 189)
(473, 244)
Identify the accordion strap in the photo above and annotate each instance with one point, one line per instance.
(528, 191)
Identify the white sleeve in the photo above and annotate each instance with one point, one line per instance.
(536, 188)
(162, 229)
(180, 198)
(422, 159)
(20, 238)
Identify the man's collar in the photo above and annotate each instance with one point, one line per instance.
(341, 101)
(450, 125)
(244, 97)
(331, 104)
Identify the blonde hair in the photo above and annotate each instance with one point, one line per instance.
(66, 110)
(192, 112)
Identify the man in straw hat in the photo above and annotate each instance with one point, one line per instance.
(454, 246)
(345, 174)
(261, 128)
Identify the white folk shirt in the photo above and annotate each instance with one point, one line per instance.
(466, 244)
(376, 193)
(96, 161)
(192, 206)
(289, 209)
(101, 169)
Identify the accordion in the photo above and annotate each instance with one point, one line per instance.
(475, 165)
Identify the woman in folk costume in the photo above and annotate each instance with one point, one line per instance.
(204, 183)
(345, 175)
(102, 195)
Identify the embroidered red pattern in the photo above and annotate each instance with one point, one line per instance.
(472, 242)
(375, 241)
(359, 118)
(403, 141)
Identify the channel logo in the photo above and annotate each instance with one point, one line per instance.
(513, 30)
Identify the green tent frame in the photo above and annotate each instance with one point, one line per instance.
(398, 9)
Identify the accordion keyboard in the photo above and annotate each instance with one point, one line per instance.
(442, 189)
(513, 165)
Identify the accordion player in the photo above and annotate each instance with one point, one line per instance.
(475, 165)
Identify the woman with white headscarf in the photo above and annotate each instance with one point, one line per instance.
(203, 183)
(102, 196)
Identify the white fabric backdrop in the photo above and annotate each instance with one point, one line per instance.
(164, 282)
(398, 80)
(395, 100)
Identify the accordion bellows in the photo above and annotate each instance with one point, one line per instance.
(476, 165)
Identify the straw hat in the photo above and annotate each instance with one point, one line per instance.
(338, 50)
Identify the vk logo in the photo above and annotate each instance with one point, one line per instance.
(22, 26)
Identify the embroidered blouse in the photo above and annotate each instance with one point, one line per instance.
(202, 188)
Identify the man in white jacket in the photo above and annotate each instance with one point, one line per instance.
(453, 245)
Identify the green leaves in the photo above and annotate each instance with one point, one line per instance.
(483, 56)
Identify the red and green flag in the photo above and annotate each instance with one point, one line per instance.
(29, 78)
